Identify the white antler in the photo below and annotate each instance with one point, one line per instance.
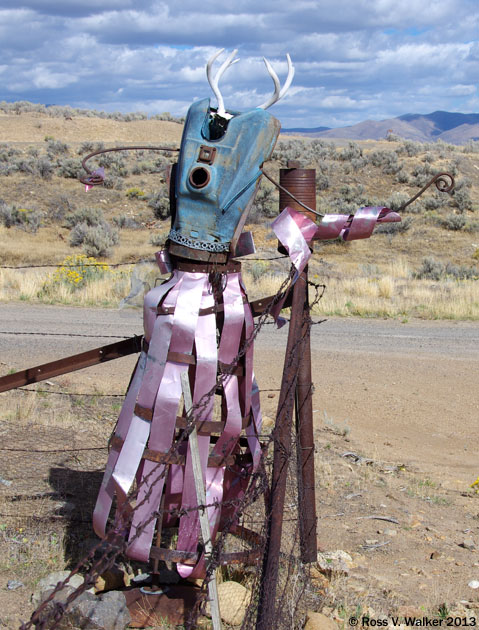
(278, 93)
(213, 81)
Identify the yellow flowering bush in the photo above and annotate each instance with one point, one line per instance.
(79, 270)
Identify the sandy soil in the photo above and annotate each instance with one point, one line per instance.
(400, 398)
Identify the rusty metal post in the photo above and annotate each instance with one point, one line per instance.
(302, 184)
(295, 389)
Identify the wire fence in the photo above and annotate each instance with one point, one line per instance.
(51, 491)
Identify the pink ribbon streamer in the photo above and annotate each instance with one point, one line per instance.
(165, 412)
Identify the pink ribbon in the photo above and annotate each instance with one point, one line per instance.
(351, 227)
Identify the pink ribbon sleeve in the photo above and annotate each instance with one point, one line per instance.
(350, 227)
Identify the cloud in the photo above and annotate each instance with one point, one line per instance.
(367, 59)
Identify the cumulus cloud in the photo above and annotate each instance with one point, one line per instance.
(367, 59)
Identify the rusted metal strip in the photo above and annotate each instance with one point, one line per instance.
(305, 444)
(249, 557)
(70, 364)
(258, 307)
(214, 461)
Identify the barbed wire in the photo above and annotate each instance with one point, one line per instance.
(121, 264)
(55, 334)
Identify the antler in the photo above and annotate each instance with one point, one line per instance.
(278, 93)
(213, 81)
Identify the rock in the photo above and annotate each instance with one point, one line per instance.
(12, 585)
(435, 555)
(104, 612)
(319, 580)
(390, 532)
(233, 599)
(46, 585)
(335, 562)
(115, 578)
(268, 423)
(318, 621)
(474, 584)
(467, 543)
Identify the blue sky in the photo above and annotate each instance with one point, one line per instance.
(354, 59)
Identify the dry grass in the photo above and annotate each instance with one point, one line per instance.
(392, 292)
(395, 294)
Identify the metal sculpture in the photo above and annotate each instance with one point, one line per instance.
(199, 323)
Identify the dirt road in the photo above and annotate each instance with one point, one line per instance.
(405, 392)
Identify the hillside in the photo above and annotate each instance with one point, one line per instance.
(42, 205)
(454, 128)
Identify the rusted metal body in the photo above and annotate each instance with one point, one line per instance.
(296, 392)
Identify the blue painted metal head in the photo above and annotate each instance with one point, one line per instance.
(217, 175)
(219, 169)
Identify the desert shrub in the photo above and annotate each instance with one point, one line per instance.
(147, 167)
(434, 202)
(401, 176)
(44, 168)
(25, 165)
(259, 268)
(430, 269)
(396, 201)
(124, 222)
(462, 200)
(96, 240)
(412, 148)
(157, 239)
(57, 147)
(159, 202)
(78, 233)
(77, 271)
(135, 193)
(23, 218)
(471, 147)
(113, 182)
(322, 181)
(265, 203)
(99, 240)
(350, 152)
(454, 222)
(386, 160)
(394, 228)
(472, 227)
(88, 215)
(421, 174)
(59, 207)
(69, 168)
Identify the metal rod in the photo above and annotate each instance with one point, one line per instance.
(201, 498)
(70, 364)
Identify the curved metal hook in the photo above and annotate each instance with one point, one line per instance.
(278, 93)
(442, 184)
(213, 81)
(97, 177)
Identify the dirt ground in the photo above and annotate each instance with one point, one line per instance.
(396, 437)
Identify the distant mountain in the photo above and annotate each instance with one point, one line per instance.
(451, 127)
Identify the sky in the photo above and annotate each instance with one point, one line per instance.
(354, 59)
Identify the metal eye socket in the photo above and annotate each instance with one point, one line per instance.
(199, 177)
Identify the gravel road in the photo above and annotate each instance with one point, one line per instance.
(406, 392)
